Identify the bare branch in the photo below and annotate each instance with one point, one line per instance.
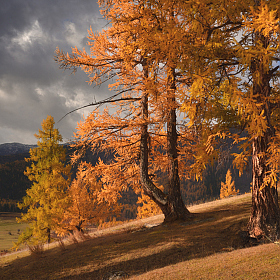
(101, 103)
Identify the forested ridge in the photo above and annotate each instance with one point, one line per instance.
(13, 182)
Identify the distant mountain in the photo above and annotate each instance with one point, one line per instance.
(8, 149)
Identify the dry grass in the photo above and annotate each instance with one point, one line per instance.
(198, 249)
(260, 262)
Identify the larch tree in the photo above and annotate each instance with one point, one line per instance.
(222, 58)
(84, 208)
(46, 200)
(143, 131)
(238, 42)
(228, 188)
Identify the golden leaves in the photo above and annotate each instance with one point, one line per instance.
(240, 161)
(262, 20)
(211, 138)
(147, 207)
(228, 188)
(45, 201)
(272, 162)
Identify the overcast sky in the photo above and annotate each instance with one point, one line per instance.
(31, 84)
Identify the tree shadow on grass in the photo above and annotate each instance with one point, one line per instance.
(139, 251)
(206, 235)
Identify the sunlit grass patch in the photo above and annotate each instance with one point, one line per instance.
(260, 262)
(9, 230)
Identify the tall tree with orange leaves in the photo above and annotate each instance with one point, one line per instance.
(238, 51)
(219, 57)
(143, 131)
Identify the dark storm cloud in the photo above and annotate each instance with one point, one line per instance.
(31, 84)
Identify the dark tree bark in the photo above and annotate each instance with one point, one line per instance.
(265, 218)
(149, 187)
(49, 235)
(172, 205)
(175, 201)
(265, 215)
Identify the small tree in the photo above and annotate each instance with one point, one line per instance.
(146, 206)
(228, 188)
(84, 207)
(46, 199)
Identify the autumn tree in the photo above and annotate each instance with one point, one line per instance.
(144, 130)
(46, 200)
(228, 188)
(83, 207)
(221, 59)
(238, 45)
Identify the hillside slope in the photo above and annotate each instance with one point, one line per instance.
(177, 251)
(239, 264)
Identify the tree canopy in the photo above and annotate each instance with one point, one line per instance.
(214, 61)
(143, 131)
(242, 76)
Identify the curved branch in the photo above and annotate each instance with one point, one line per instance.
(100, 103)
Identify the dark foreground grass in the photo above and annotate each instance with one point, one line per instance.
(212, 233)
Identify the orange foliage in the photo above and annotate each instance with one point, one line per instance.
(139, 53)
(84, 207)
(228, 188)
(217, 61)
(147, 207)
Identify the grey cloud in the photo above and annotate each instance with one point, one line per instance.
(31, 84)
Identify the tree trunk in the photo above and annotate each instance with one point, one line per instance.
(175, 201)
(49, 235)
(172, 204)
(265, 218)
(265, 215)
(149, 187)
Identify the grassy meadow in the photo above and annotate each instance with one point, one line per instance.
(206, 247)
(9, 230)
